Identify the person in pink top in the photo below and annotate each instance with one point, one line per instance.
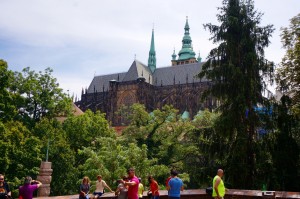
(26, 191)
(133, 184)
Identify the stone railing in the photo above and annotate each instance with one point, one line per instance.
(200, 194)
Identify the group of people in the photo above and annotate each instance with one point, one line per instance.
(85, 188)
(130, 187)
(127, 188)
(25, 191)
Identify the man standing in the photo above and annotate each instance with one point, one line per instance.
(218, 185)
(26, 191)
(175, 185)
(4, 188)
(133, 184)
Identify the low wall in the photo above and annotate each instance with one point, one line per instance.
(200, 194)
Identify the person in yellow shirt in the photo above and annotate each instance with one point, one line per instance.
(141, 189)
(218, 185)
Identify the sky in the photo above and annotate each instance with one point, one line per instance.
(79, 39)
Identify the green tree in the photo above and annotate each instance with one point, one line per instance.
(286, 149)
(41, 95)
(143, 126)
(111, 159)
(20, 153)
(288, 75)
(164, 134)
(82, 131)
(22, 149)
(57, 150)
(210, 153)
(238, 70)
(7, 107)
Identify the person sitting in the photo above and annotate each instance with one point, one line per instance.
(100, 186)
(84, 188)
(5, 192)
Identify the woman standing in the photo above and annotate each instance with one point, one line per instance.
(153, 188)
(84, 188)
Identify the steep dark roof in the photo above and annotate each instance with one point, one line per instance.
(165, 75)
(181, 73)
(103, 80)
(136, 70)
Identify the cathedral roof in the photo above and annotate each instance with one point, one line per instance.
(101, 82)
(180, 74)
(136, 70)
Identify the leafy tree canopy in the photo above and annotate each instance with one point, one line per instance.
(288, 74)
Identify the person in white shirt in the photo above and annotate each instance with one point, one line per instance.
(100, 186)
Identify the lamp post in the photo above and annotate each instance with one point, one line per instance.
(47, 152)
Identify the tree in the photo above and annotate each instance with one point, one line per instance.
(239, 70)
(41, 94)
(82, 131)
(164, 134)
(288, 74)
(20, 153)
(7, 107)
(286, 149)
(111, 158)
(210, 152)
(57, 150)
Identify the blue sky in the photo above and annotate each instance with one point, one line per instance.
(82, 38)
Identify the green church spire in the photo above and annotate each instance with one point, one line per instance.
(186, 51)
(199, 58)
(174, 55)
(152, 56)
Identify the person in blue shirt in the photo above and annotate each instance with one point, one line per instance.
(175, 185)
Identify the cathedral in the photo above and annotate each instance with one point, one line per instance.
(154, 87)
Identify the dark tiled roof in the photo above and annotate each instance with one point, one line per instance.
(182, 73)
(103, 80)
(165, 75)
(136, 70)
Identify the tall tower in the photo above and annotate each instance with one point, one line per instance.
(152, 55)
(186, 54)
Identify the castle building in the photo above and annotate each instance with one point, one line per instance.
(175, 85)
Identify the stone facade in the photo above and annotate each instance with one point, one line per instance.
(184, 97)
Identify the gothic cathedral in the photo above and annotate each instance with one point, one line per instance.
(176, 85)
